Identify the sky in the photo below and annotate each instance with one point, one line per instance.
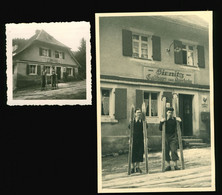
(68, 33)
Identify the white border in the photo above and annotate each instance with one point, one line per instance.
(12, 102)
(209, 16)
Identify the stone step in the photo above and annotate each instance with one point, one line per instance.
(198, 145)
(193, 140)
(188, 137)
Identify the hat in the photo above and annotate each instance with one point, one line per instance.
(170, 109)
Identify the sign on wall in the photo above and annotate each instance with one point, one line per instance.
(46, 59)
(167, 75)
(204, 101)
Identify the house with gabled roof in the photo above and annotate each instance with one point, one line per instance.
(42, 51)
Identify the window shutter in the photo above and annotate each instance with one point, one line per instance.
(200, 54)
(156, 46)
(27, 69)
(127, 42)
(40, 51)
(120, 103)
(49, 52)
(63, 55)
(38, 69)
(139, 98)
(178, 57)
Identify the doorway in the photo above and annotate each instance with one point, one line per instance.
(58, 72)
(186, 114)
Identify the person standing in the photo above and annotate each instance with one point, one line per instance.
(138, 142)
(54, 79)
(171, 140)
(43, 79)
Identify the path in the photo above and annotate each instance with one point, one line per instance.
(70, 90)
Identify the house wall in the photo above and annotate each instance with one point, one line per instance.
(15, 70)
(32, 54)
(112, 62)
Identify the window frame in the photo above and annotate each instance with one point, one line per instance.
(107, 89)
(150, 103)
(140, 42)
(187, 45)
(29, 71)
(59, 53)
(50, 69)
(111, 117)
(47, 52)
(71, 71)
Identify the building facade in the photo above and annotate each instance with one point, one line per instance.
(42, 51)
(144, 58)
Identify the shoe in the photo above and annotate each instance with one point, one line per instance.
(138, 170)
(132, 170)
(168, 168)
(176, 168)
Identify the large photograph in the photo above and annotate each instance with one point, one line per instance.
(155, 102)
(48, 63)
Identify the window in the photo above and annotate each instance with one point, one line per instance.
(45, 52)
(59, 54)
(32, 69)
(105, 102)
(140, 46)
(69, 71)
(188, 54)
(150, 100)
(48, 69)
(113, 104)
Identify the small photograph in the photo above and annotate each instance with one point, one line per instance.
(48, 63)
(155, 102)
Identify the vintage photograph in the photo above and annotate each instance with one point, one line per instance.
(155, 102)
(48, 63)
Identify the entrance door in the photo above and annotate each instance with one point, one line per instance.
(185, 112)
(58, 72)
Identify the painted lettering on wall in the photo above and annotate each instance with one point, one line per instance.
(46, 59)
(166, 75)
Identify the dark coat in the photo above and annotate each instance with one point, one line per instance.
(138, 142)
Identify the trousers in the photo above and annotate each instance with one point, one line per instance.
(171, 145)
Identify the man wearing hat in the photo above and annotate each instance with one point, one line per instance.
(171, 140)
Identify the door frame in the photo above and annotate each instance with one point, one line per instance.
(60, 70)
(192, 112)
(195, 108)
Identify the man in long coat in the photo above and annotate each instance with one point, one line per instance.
(138, 142)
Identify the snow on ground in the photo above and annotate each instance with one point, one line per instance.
(197, 174)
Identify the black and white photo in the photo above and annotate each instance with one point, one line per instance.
(159, 64)
(48, 63)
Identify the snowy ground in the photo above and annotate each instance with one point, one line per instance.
(197, 175)
(70, 90)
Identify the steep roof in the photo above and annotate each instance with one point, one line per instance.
(42, 36)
